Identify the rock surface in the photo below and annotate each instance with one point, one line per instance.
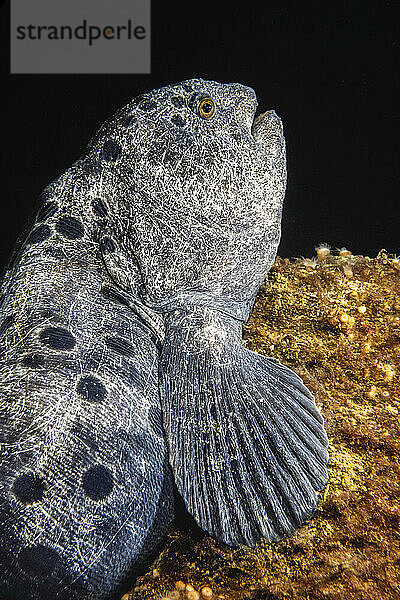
(335, 320)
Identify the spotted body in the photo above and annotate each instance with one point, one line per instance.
(86, 490)
(144, 262)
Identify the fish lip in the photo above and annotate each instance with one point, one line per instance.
(257, 118)
(260, 125)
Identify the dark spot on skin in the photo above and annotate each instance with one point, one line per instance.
(38, 560)
(6, 323)
(120, 346)
(57, 338)
(187, 87)
(91, 389)
(147, 105)
(29, 487)
(98, 482)
(178, 101)
(99, 208)
(177, 120)
(129, 121)
(33, 361)
(40, 234)
(70, 227)
(47, 211)
(111, 151)
(107, 245)
(110, 294)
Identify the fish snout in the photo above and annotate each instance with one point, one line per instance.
(267, 131)
(267, 124)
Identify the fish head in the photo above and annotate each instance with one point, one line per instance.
(202, 180)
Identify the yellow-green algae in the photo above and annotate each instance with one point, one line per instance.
(335, 320)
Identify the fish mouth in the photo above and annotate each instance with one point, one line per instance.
(264, 124)
(260, 125)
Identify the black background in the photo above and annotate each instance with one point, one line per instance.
(329, 68)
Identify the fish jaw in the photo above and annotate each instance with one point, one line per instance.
(267, 131)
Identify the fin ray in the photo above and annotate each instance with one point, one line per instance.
(283, 417)
(246, 440)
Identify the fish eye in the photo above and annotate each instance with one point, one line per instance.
(206, 108)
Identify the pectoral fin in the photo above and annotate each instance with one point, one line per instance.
(246, 440)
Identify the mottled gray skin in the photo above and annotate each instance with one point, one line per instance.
(192, 226)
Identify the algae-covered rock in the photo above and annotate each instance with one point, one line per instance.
(335, 320)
